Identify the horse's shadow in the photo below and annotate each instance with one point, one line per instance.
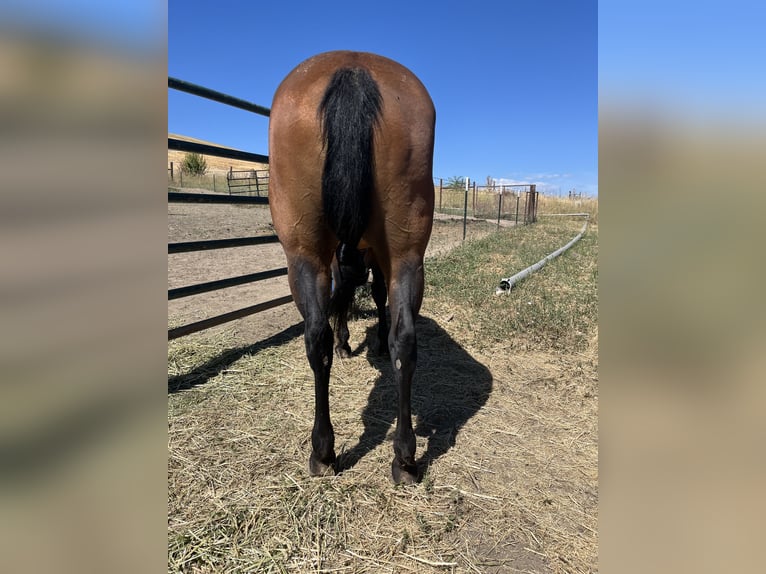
(448, 389)
(203, 373)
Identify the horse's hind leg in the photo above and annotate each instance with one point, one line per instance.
(406, 297)
(349, 272)
(379, 294)
(311, 290)
(340, 303)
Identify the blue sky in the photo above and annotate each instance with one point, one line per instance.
(514, 82)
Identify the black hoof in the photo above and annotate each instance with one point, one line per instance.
(404, 473)
(319, 468)
(343, 351)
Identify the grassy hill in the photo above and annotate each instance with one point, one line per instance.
(215, 164)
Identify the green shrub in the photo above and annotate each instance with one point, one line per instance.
(194, 164)
(456, 182)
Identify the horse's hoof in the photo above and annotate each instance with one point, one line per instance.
(343, 351)
(404, 474)
(319, 468)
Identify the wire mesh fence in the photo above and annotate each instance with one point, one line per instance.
(517, 203)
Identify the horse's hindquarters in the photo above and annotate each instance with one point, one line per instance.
(351, 154)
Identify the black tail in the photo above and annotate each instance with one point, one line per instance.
(348, 114)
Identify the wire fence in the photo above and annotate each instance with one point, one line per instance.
(517, 203)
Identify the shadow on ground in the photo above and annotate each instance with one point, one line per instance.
(449, 388)
(209, 369)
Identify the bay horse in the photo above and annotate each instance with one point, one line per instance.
(351, 138)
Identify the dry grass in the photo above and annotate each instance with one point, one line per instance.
(553, 204)
(506, 428)
(552, 310)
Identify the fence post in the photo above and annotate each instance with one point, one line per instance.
(499, 208)
(526, 206)
(517, 209)
(441, 187)
(214, 189)
(530, 206)
(171, 171)
(465, 211)
(474, 199)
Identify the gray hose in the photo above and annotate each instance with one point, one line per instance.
(507, 283)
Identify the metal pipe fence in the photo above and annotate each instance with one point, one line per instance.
(203, 245)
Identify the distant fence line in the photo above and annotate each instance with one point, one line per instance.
(517, 202)
(512, 202)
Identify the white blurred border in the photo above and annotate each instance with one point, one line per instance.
(682, 322)
(83, 118)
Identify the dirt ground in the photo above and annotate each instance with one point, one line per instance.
(191, 222)
(508, 432)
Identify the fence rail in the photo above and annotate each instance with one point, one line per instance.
(212, 198)
(226, 317)
(208, 94)
(189, 197)
(217, 151)
(207, 244)
(223, 283)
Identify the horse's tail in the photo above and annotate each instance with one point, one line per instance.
(349, 112)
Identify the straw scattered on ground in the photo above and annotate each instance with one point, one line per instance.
(505, 404)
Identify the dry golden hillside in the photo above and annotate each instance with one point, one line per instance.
(215, 164)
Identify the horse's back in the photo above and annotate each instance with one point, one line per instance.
(402, 197)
